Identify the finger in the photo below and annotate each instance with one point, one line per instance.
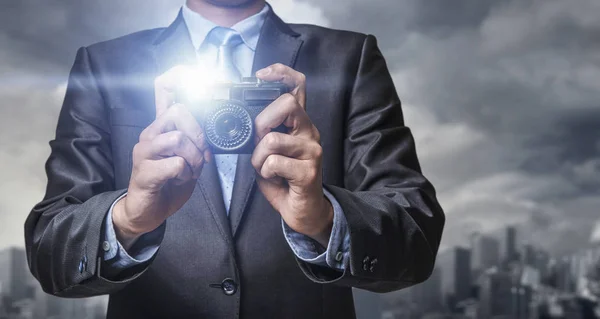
(161, 171)
(286, 145)
(287, 111)
(165, 87)
(271, 188)
(296, 172)
(293, 79)
(175, 143)
(176, 118)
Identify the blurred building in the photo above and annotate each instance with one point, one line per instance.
(455, 267)
(21, 296)
(485, 253)
(509, 245)
(52, 307)
(415, 302)
(14, 274)
(529, 255)
(584, 264)
(536, 258)
(525, 280)
(427, 296)
(530, 277)
(494, 294)
(3, 310)
(469, 308)
(521, 297)
(562, 275)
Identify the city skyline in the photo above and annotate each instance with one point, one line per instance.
(20, 292)
(519, 285)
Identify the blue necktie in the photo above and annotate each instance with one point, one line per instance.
(226, 40)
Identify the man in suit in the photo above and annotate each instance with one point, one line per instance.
(138, 207)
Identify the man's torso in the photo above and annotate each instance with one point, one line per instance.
(202, 245)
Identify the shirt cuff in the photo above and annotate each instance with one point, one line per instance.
(309, 250)
(116, 257)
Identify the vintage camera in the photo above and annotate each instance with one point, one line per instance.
(227, 117)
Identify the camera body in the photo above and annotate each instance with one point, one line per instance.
(227, 118)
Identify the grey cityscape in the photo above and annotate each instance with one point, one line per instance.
(21, 296)
(502, 97)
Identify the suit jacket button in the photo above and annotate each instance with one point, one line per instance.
(82, 264)
(373, 263)
(366, 263)
(229, 286)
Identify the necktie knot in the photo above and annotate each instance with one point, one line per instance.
(225, 40)
(226, 37)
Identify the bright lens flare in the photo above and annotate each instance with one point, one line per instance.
(197, 84)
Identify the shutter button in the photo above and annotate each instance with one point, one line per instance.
(229, 286)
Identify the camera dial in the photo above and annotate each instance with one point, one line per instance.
(228, 126)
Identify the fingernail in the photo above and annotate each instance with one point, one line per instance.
(263, 72)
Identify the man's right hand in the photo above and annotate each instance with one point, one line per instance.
(167, 161)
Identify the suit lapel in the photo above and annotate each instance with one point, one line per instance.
(174, 47)
(278, 43)
(211, 190)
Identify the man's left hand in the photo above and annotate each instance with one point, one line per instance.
(288, 165)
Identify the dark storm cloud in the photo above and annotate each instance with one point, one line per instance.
(576, 131)
(52, 30)
(514, 88)
(499, 63)
(392, 21)
(440, 15)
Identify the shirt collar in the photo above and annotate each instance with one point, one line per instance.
(199, 27)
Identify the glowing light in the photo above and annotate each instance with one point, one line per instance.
(196, 84)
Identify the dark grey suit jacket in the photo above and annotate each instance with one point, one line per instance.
(369, 165)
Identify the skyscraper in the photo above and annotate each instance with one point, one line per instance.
(529, 255)
(14, 274)
(428, 295)
(49, 306)
(485, 253)
(509, 245)
(455, 266)
(536, 258)
(495, 297)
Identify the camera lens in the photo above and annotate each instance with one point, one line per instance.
(228, 126)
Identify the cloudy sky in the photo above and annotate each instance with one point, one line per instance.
(503, 97)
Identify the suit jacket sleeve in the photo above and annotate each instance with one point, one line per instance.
(394, 219)
(64, 231)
